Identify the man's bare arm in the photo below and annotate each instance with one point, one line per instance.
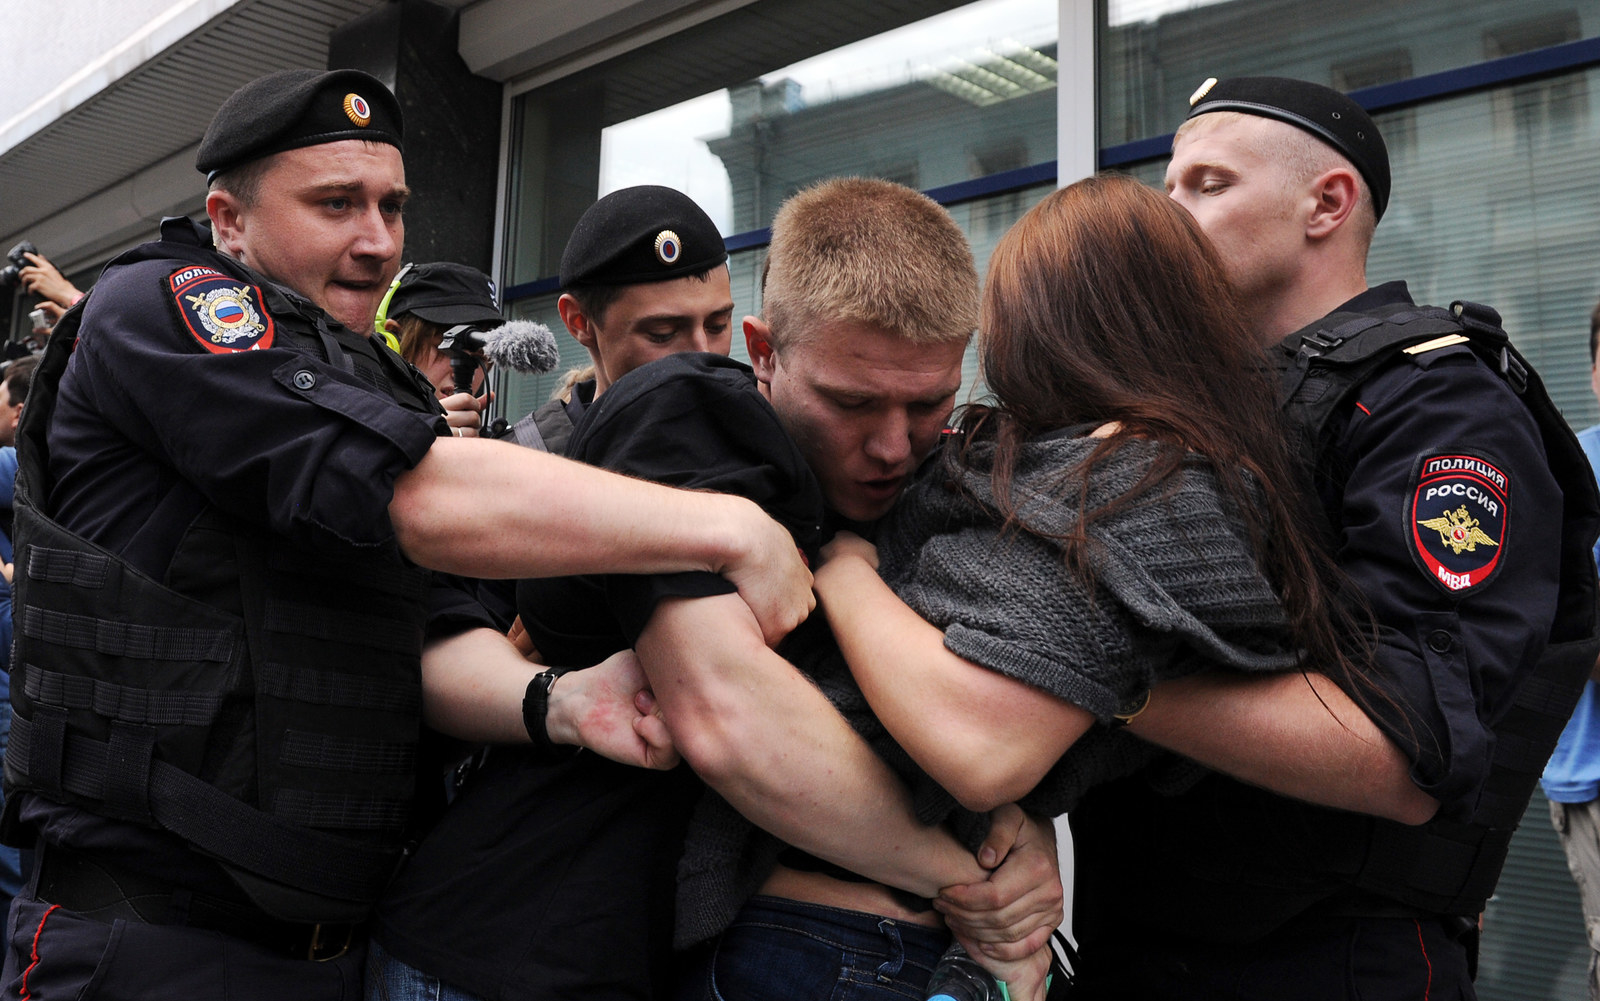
(1298, 735)
(762, 735)
(488, 508)
(473, 685)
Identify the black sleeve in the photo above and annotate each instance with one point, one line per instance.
(457, 604)
(269, 435)
(695, 421)
(1450, 530)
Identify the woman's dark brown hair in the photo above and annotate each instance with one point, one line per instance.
(1106, 302)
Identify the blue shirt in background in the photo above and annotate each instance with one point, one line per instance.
(1573, 774)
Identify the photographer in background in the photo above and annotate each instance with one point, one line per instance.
(425, 304)
(41, 322)
(41, 278)
(445, 320)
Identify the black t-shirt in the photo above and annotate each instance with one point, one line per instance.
(557, 880)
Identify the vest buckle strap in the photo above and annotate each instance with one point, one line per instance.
(1479, 319)
(1318, 343)
(1513, 370)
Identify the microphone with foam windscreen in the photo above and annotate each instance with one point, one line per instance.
(520, 345)
(523, 346)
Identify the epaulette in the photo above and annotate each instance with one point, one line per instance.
(1446, 341)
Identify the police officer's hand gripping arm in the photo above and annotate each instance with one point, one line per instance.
(491, 509)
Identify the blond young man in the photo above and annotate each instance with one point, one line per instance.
(870, 297)
(827, 429)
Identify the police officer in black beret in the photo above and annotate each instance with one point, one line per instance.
(1460, 510)
(644, 275)
(228, 489)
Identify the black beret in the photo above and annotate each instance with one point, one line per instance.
(446, 294)
(1321, 111)
(641, 234)
(294, 108)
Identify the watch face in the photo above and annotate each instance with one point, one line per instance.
(1131, 708)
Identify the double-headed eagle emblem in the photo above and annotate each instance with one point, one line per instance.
(1458, 530)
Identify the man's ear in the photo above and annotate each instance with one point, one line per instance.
(1336, 193)
(227, 222)
(758, 340)
(576, 320)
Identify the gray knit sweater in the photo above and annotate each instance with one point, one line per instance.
(1176, 589)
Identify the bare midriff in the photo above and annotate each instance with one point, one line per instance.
(869, 898)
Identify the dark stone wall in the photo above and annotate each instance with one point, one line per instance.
(452, 121)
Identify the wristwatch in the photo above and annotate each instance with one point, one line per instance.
(1131, 709)
(536, 712)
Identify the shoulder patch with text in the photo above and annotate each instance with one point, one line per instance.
(222, 313)
(1457, 520)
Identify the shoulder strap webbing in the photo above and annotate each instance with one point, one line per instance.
(209, 819)
(526, 433)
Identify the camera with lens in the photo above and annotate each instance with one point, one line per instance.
(13, 272)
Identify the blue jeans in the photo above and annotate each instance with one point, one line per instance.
(388, 979)
(787, 950)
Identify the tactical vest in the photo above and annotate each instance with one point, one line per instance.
(274, 730)
(1450, 867)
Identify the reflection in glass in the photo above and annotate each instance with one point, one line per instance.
(959, 95)
(1497, 200)
(1154, 53)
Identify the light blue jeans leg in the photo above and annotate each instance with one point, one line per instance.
(388, 979)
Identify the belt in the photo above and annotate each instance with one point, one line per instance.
(1353, 903)
(102, 890)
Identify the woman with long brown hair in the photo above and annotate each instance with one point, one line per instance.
(1121, 512)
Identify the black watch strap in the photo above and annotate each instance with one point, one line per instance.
(535, 712)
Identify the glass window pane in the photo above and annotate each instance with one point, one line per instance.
(746, 109)
(1155, 53)
(1496, 199)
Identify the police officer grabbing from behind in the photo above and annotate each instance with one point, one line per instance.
(228, 490)
(1459, 508)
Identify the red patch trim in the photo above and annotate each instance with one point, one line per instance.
(1427, 989)
(1458, 516)
(237, 322)
(23, 986)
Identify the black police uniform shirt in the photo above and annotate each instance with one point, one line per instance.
(556, 879)
(1448, 660)
(1429, 446)
(152, 425)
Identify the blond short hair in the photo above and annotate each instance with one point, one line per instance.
(1302, 155)
(869, 251)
